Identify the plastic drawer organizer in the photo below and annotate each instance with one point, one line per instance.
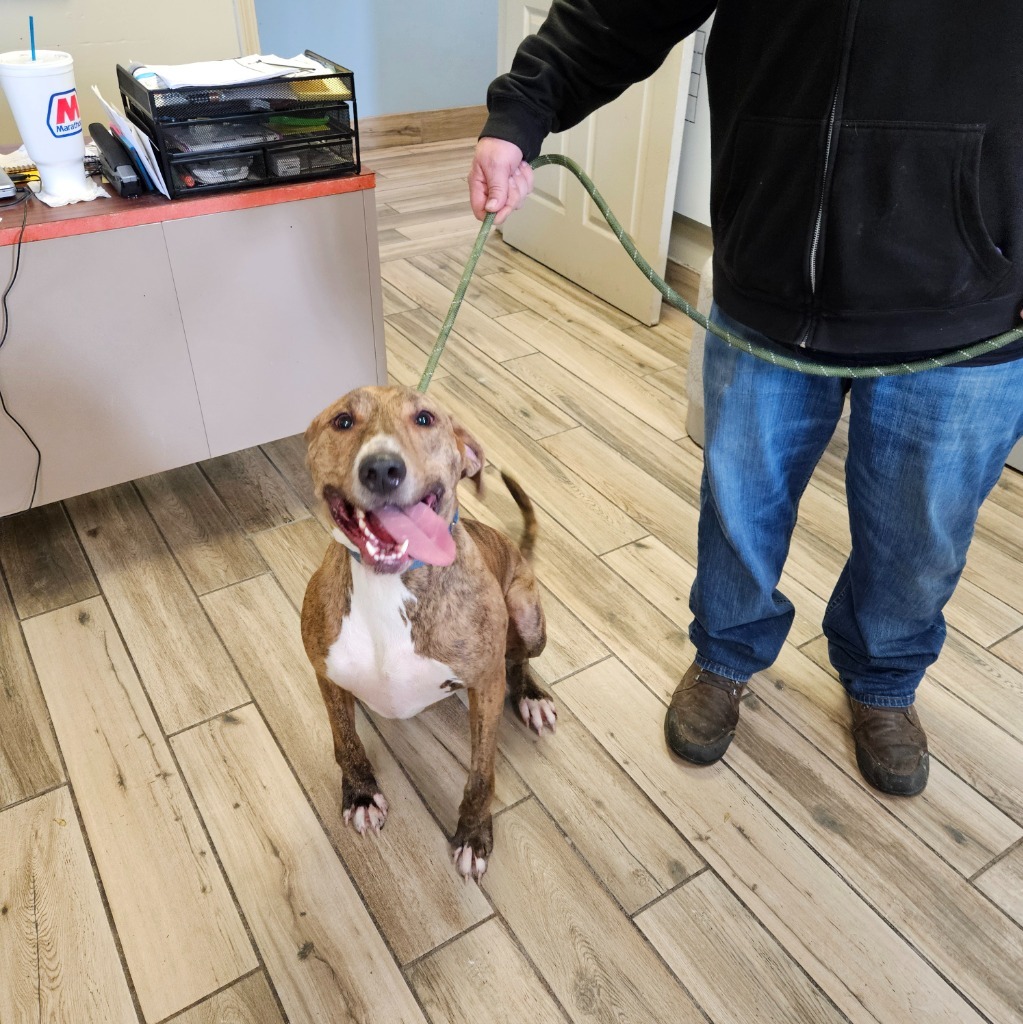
(239, 136)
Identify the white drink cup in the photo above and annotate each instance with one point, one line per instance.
(44, 102)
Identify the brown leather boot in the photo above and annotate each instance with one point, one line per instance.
(891, 748)
(700, 722)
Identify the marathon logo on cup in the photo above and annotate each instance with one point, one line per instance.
(63, 117)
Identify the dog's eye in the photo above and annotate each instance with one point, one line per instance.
(425, 419)
(343, 421)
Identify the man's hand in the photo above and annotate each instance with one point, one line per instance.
(499, 180)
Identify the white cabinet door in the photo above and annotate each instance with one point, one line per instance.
(281, 307)
(95, 366)
(631, 150)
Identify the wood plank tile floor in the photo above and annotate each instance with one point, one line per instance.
(171, 844)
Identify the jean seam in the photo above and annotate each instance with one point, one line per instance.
(837, 597)
(721, 670)
(886, 702)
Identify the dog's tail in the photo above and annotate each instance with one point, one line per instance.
(528, 539)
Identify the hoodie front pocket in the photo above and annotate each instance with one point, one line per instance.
(904, 228)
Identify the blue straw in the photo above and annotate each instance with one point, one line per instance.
(32, 35)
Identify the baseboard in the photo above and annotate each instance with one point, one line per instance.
(690, 242)
(684, 280)
(1015, 459)
(421, 127)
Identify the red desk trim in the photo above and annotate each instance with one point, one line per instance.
(110, 214)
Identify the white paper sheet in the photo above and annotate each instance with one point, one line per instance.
(253, 68)
(136, 141)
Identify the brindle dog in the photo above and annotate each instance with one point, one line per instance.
(412, 603)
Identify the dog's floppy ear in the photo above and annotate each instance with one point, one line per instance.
(473, 458)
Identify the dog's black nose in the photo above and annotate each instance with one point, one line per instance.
(381, 474)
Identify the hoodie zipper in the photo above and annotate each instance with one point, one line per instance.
(815, 245)
(852, 12)
(820, 208)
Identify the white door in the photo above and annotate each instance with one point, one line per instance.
(631, 150)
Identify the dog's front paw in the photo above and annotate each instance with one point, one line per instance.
(469, 863)
(472, 847)
(539, 713)
(365, 812)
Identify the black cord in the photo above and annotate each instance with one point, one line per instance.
(23, 198)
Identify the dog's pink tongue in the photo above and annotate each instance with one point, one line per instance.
(428, 536)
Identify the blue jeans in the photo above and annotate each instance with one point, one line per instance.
(924, 451)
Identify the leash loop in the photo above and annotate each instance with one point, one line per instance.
(793, 362)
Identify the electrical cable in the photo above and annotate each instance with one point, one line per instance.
(24, 198)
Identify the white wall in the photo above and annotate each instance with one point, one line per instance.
(692, 195)
(100, 34)
(690, 241)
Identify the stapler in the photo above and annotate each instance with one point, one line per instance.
(116, 163)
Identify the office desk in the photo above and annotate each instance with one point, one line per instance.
(147, 334)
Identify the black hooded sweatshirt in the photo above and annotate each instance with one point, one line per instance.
(867, 156)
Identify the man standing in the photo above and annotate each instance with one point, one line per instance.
(867, 207)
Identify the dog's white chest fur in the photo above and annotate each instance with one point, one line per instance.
(373, 657)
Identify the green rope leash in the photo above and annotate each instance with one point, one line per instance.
(787, 362)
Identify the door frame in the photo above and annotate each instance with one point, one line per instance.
(248, 26)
